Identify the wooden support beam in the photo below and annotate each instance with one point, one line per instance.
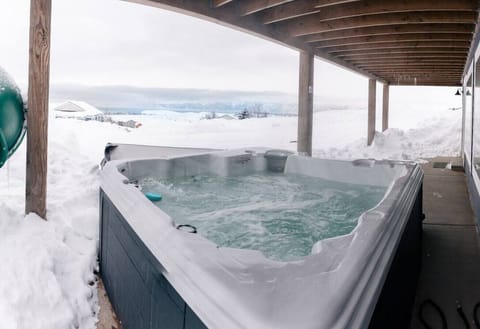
(360, 8)
(289, 10)
(410, 37)
(434, 28)
(327, 3)
(420, 75)
(372, 99)
(416, 72)
(386, 92)
(409, 63)
(248, 7)
(405, 59)
(420, 80)
(463, 45)
(439, 78)
(37, 116)
(395, 80)
(374, 7)
(419, 56)
(311, 24)
(413, 51)
(305, 103)
(395, 66)
(219, 3)
(429, 83)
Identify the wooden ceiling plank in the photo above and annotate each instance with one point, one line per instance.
(411, 65)
(422, 79)
(396, 51)
(417, 72)
(406, 59)
(326, 3)
(376, 57)
(402, 45)
(373, 7)
(434, 28)
(310, 24)
(219, 3)
(248, 7)
(360, 8)
(425, 62)
(395, 38)
(289, 10)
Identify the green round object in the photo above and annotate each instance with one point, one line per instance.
(12, 117)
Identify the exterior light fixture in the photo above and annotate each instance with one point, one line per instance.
(460, 91)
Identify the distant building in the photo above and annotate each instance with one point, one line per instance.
(129, 124)
(78, 110)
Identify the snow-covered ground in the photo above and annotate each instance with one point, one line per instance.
(47, 278)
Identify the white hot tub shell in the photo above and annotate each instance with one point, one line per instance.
(337, 286)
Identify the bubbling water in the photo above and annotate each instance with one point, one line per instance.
(281, 215)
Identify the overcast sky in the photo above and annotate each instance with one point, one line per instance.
(112, 42)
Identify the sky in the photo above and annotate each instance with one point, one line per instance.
(112, 42)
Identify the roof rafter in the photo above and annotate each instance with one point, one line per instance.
(219, 3)
(434, 28)
(465, 45)
(394, 38)
(360, 8)
(310, 24)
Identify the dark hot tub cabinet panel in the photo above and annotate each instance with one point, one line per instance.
(140, 294)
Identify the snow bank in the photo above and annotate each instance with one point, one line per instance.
(47, 267)
(47, 279)
(439, 136)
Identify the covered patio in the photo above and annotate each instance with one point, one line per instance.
(396, 43)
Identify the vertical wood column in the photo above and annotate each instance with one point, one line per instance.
(386, 90)
(372, 99)
(37, 115)
(305, 103)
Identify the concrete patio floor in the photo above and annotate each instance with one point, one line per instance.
(451, 250)
(106, 317)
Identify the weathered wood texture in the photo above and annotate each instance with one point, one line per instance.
(37, 116)
(305, 103)
(218, 3)
(386, 95)
(372, 99)
(350, 32)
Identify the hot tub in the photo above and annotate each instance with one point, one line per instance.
(159, 276)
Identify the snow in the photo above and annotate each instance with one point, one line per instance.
(76, 109)
(47, 278)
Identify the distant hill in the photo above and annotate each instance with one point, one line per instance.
(129, 98)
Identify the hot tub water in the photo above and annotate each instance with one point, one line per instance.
(282, 215)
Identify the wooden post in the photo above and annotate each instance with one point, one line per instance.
(305, 104)
(37, 117)
(386, 89)
(372, 93)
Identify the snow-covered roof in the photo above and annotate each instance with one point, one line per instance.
(77, 109)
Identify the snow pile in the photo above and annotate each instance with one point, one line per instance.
(437, 137)
(47, 278)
